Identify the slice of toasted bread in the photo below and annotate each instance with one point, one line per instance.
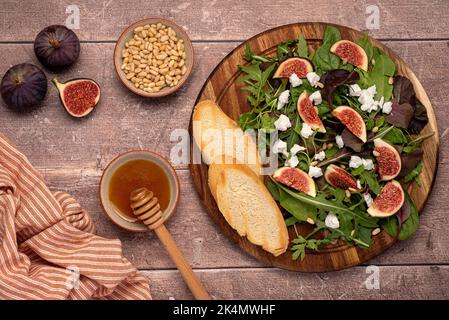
(248, 207)
(217, 135)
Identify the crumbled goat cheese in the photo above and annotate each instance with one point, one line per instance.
(294, 80)
(368, 199)
(368, 164)
(316, 98)
(315, 172)
(292, 162)
(283, 99)
(280, 147)
(372, 90)
(366, 98)
(354, 90)
(355, 162)
(331, 221)
(320, 156)
(296, 148)
(283, 123)
(387, 107)
(313, 78)
(339, 141)
(306, 130)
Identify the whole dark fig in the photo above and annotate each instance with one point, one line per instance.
(23, 87)
(57, 46)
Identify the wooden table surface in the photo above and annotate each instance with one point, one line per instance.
(71, 154)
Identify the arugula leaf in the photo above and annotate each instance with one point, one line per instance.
(320, 202)
(414, 174)
(302, 47)
(256, 80)
(366, 44)
(323, 59)
(372, 182)
(395, 136)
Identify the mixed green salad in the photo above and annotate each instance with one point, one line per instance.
(348, 142)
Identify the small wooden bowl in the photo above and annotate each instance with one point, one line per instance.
(127, 34)
(116, 217)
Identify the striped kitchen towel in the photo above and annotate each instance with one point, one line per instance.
(48, 249)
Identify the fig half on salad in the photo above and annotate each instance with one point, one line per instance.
(347, 142)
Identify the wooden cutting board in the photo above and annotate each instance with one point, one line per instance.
(223, 87)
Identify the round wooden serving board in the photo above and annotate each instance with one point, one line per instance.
(223, 87)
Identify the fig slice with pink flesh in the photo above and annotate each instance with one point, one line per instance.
(352, 120)
(309, 113)
(389, 200)
(351, 53)
(387, 158)
(340, 178)
(78, 96)
(297, 179)
(300, 66)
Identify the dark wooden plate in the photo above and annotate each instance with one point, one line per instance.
(223, 87)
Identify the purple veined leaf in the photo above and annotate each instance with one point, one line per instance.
(403, 91)
(403, 214)
(335, 78)
(409, 162)
(400, 115)
(351, 141)
(419, 120)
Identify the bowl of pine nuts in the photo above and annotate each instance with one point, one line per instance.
(153, 57)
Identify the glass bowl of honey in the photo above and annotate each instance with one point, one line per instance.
(130, 171)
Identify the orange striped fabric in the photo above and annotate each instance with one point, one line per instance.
(48, 249)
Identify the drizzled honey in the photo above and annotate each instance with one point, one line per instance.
(136, 174)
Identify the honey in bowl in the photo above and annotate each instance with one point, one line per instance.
(136, 174)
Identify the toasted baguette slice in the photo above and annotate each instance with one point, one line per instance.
(248, 207)
(217, 135)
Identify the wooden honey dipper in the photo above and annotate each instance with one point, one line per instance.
(147, 209)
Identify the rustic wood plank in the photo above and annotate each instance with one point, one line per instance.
(205, 246)
(225, 20)
(417, 282)
(72, 153)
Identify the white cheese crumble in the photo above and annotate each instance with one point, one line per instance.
(283, 123)
(387, 107)
(354, 90)
(331, 221)
(294, 80)
(316, 98)
(283, 99)
(368, 199)
(359, 185)
(306, 130)
(356, 162)
(368, 164)
(320, 156)
(315, 172)
(280, 147)
(366, 98)
(339, 141)
(296, 148)
(292, 162)
(313, 78)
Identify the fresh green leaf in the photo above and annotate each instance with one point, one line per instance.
(395, 136)
(366, 44)
(414, 174)
(369, 178)
(302, 47)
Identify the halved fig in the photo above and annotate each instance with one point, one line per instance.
(387, 158)
(352, 120)
(309, 113)
(351, 52)
(389, 200)
(78, 96)
(299, 66)
(297, 179)
(340, 178)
